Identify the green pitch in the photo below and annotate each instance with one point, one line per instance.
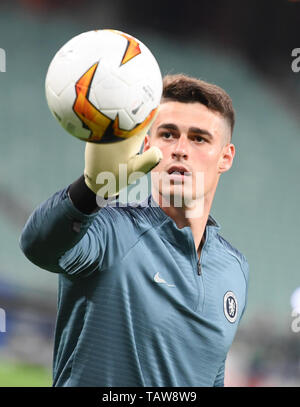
(21, 375)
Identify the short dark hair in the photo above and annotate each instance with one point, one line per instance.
(186, 89)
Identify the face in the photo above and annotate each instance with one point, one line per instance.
(196, 148)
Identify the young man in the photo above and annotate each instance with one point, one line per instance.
(149, 295)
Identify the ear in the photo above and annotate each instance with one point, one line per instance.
(146, 143)
(226, 158)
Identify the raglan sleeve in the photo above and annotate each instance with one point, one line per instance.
(219, 381)
(245, 269)
(59, 238)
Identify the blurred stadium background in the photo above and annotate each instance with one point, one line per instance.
(245, 47)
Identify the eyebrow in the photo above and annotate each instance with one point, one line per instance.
(169, 126)
(201, 132)
(194, 130)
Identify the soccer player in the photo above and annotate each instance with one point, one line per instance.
(149, 294)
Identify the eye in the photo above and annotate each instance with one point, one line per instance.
(166, 135)
(199, 139)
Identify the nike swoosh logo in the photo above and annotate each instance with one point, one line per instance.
(134, 111)
(160, 280)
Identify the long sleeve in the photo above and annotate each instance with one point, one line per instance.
(59, 238)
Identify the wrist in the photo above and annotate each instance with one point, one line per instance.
(83, 198)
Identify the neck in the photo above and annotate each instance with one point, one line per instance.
(195, 217)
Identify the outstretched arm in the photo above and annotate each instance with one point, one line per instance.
(58, 235)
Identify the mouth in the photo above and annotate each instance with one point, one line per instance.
(179, 171)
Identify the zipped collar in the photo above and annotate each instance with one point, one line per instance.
(166, 226)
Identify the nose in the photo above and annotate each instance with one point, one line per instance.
(180, 149)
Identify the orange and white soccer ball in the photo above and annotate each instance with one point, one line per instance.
(104, 86)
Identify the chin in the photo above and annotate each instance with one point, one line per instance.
(176, 196)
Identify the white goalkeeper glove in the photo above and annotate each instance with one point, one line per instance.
(109, 167)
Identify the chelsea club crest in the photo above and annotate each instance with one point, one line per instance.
(230, 306)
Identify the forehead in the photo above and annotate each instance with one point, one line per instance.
(187, 115)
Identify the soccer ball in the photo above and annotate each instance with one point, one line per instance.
(104, 86)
